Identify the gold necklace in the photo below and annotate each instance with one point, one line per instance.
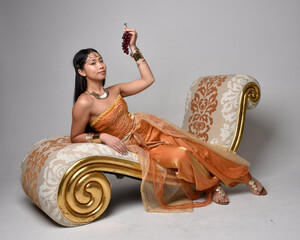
(98, 96)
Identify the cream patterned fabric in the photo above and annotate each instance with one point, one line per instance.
(45, 164)
(212, 107)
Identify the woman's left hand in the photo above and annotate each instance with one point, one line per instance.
(133, 37)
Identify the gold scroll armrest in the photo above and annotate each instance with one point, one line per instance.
(84, 192)
(249, 98)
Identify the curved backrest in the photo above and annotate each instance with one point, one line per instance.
(215, 108)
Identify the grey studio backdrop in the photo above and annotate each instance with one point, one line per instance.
(182, 41)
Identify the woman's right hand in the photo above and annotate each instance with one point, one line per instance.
(114, 142)
(133, 37)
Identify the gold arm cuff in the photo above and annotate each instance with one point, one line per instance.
(136, 54)
(140, 62)
(88, 138)
(96, 138)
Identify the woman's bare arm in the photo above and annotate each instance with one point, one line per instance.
(136, 86)
(80, 118)
(146, 79)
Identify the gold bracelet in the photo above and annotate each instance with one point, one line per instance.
(96, 138)
(136, 54)
(88, 138)
(140, 62)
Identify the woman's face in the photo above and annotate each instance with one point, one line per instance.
(94, 67)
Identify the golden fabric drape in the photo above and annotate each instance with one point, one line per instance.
(177, 168)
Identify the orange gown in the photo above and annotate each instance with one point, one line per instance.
(177, 168)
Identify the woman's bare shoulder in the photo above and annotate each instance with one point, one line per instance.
(83, 103)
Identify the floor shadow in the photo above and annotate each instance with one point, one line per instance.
(125, 192)
(37, 212)
(256, 136)
(237, 190)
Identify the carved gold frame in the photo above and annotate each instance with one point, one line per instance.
(84, 191)
(250, 92)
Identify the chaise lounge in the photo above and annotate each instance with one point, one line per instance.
(67, 181)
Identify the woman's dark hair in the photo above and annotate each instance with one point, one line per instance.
(80, 81)
(78, 63)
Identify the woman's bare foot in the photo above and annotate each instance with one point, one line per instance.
(219, 196)
(256, 187)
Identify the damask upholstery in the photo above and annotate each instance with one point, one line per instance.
(215, 108)
(65, 179)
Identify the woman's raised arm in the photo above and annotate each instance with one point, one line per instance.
(147, 78)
